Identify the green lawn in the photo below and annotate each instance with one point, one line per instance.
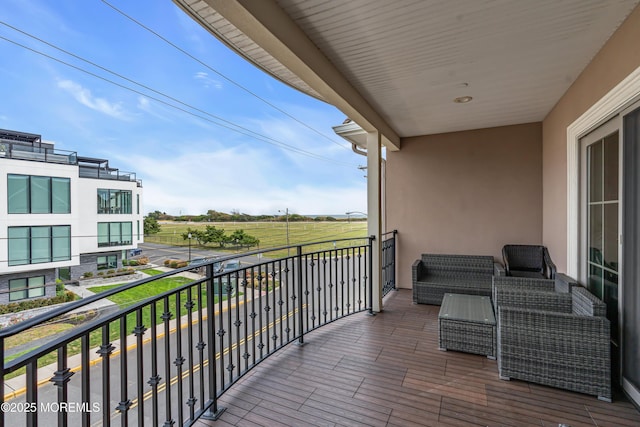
(151, 271)
(270, 234)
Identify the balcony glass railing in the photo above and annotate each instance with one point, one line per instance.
(102, 173)
(10, 150)
(169, 357)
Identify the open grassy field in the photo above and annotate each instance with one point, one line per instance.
(270, 234)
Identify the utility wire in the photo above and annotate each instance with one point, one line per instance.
(242, 130)
(238, 85)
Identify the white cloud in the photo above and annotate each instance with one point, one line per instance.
(207, 81)
(144, 104)
(84, 96)
(233, 179)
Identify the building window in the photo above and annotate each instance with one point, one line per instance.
(114, 201)
(106, 262)
(64, 273)
(115, 233)
(28, 287)
(38, 194)
(138, 204)
(35, 245)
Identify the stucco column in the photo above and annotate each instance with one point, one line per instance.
(374, 212)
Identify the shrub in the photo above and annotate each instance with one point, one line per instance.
(36, 303)
(100, 273)
(143, 260)
(88, 274)
(111, 271)
(173, 264)
(125, 262)
(181, 264)
(133, 262)
(167, 262)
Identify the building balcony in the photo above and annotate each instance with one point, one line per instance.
(20, 151)
(25, 146)
(386, 370)
(278, 341)
(99, 169)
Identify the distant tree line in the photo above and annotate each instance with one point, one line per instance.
(235, 216)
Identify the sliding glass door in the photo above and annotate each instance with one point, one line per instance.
(610, 252)
(631, 254)
(602, 252)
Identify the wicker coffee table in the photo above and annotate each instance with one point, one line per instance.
(467, 323)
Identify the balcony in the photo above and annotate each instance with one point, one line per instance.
(90, 167)
(21, 151)
(386, 370)
(287, 341)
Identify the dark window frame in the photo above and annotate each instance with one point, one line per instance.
(53, 256)
(121, 208)
(110, 262)
(113, 242)
(50, 196)
(25, 289)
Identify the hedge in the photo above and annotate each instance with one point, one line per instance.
(15, 307)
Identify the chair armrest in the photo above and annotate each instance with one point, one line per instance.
(498, 270)
(564, 283)
(417, 270)
(550, 268)
(587, 304)
(505, 259)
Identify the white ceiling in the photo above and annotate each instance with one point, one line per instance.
(410, 59)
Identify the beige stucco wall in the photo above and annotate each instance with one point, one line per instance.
(616, 60)
(465, 193)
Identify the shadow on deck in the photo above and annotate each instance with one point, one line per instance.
(386, 370)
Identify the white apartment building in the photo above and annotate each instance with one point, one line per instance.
(61, 215)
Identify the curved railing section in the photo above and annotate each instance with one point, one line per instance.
(389, 262)
(167, 359)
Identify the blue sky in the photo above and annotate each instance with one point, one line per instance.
(187, 164)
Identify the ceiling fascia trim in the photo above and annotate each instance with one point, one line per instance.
(273, 30)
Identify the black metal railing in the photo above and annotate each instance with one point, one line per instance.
(168, 358)
(388, 262)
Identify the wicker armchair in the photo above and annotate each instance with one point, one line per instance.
(528, 261)
(556, 339)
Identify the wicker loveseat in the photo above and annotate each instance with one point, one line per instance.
(437, 274)
(556, 339)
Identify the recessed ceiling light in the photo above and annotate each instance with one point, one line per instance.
(463, 99)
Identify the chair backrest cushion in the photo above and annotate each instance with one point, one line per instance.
(524, 257)
(533, 300)
(479, 264)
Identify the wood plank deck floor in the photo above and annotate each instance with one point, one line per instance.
(385, 370)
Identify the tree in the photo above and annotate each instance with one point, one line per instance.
(199, 236)
(214, 235)
(240, 238)
(151, 225)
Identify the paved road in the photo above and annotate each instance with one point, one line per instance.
(158, 253)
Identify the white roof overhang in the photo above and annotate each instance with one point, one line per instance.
(397, 66)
